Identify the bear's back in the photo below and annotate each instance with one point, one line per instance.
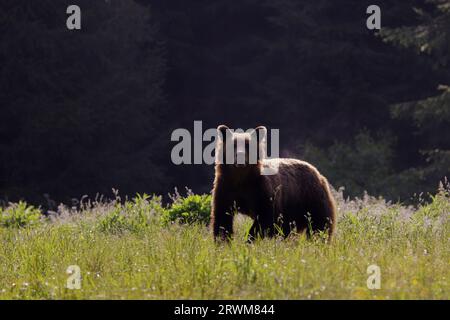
(291, 168)
(295, 179)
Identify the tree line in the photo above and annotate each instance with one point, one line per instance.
(89, 110)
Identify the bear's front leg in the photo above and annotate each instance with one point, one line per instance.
(222, 218)
(253, 232)
(262, 227)
(256, 231)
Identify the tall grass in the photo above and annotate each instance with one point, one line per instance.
(125, 252)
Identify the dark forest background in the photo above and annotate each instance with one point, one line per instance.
(85, 111)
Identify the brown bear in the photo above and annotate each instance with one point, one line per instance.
(294, 196)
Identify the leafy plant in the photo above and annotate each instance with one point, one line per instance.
(187, 210)
(438, 209)
(19, 215)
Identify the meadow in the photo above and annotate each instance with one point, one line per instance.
(141, 249)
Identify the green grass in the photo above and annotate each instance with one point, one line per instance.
(124, 251)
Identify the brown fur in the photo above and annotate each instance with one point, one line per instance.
(297, 196)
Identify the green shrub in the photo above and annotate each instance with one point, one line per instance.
(19, 215)
(132, 216)
(187, 210)
(438, 208)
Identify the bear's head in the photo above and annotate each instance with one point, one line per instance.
(240, 149)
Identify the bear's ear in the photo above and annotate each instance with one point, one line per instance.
(261, 133)
(222, 131)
